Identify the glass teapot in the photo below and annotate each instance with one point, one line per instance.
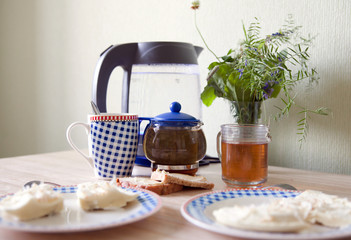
(174, 141)
(154, 73)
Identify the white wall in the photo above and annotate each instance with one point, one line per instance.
(49, 49)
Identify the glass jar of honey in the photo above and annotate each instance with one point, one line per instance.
(174, 141)
(243, 150)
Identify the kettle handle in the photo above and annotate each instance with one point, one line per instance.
(114, 56)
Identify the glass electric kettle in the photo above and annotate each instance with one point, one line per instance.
(154, 73)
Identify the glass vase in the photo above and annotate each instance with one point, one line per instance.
(246, 112)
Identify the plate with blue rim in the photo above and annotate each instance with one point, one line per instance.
(199, 211)
(74, 219)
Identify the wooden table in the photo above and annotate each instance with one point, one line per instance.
(69, 168)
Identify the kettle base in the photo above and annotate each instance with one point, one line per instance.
(142, 161)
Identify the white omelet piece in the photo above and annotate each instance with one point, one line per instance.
(103, 194)
(325, 209)
(289, 214)
(262, 217)
(31, 203)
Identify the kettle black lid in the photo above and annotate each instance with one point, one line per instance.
(167, 52)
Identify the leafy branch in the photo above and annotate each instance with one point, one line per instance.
(302, 124)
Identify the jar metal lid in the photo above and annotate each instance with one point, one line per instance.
(245, 133)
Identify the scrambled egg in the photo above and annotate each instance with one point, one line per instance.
(30, 203)
(289, 214)
(101, 195)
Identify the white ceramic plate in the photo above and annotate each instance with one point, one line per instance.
(198, 210)
(74, 219)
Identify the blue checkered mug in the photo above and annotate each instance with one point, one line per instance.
(113, 143)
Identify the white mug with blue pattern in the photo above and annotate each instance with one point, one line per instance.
(113, 143)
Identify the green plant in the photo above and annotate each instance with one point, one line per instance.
(263, 68)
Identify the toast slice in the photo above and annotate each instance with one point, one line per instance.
(181, 179)
(149, 184)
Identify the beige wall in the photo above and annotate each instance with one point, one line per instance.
(49, 48)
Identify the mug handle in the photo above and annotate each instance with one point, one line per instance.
(219, 136)
(69, 139)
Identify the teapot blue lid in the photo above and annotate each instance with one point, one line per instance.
(176, 116)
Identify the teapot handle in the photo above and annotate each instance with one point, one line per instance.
(145, 119)
(141, 135)
(116, 55)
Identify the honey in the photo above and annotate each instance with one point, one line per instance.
(244, 163)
